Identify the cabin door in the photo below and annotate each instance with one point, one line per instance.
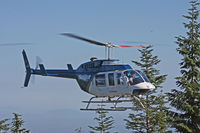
(112, 83)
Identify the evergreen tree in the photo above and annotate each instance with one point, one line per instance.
(104, 123)
(4, 126)
(17, 123)
(147, 63)
(186, 100)
(154, 117)
(78, 130)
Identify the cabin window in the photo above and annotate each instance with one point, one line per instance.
(100, 80)
(111, 79)
(119, 79)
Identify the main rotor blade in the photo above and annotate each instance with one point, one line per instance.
(85, 39)
(127, 46)
(96, 42)
(14, 44)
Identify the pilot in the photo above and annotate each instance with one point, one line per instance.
(131, 79)
(128, 79)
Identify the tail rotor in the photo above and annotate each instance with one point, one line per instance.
(38, 61)
(28, 69)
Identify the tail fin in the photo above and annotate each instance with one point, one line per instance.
(28, 69)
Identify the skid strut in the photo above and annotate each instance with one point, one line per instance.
(114, 102)
(89, 102)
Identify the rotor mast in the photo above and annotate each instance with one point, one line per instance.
(109, 52)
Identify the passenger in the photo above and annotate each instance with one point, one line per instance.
(121, 79)
(125, 79)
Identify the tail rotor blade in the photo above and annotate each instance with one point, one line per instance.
(38, 61)
(33, 79)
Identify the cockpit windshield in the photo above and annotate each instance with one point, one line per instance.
(143, 75)
(135, 77)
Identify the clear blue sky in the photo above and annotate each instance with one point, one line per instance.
(40, 23)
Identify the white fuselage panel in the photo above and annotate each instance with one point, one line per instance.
(114, 84)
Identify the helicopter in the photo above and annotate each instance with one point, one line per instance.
(102, 78)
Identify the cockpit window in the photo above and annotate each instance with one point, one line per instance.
(143, 75)
(133, 77)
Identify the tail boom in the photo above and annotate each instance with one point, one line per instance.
(70, 73)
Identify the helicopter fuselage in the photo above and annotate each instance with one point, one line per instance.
(102, 78)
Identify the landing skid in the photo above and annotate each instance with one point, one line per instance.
(114, 102)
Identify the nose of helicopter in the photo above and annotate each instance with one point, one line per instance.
(143, 88)
(146, 85)
(150, 86)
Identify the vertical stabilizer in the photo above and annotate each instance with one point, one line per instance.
(28, 69)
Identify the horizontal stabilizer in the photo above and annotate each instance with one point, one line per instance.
(42, 69)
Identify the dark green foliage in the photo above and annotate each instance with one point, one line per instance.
(104, 123)
(4, 126)
(136, 122)
(78, 130)
(151, 119)
(147, 63)
(17, 124)
(154, 117)
(186, 100)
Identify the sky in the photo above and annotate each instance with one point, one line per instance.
(52, 104)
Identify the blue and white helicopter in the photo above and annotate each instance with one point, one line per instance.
(102, 78)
